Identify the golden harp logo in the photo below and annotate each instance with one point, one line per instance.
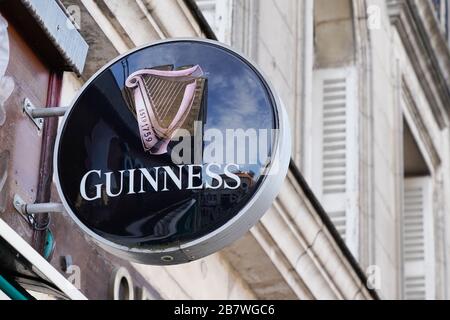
(166, 100)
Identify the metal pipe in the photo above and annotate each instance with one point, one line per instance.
(48, 112)
(36, 208)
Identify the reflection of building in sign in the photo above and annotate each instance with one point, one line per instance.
(215, 202)
(247, 180)
(170, 223)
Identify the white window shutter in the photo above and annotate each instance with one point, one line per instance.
(417, 239)
(335, 154)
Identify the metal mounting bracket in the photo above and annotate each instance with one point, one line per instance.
(37, 115)
(26, 209)
(28, 108)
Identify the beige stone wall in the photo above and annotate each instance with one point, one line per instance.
(335, 41)
(208, 278)
(386, 151)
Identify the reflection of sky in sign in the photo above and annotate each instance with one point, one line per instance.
(237, 99)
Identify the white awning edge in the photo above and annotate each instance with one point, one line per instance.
(3, 296)
(53, 275)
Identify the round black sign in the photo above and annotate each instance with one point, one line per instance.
(172, 151)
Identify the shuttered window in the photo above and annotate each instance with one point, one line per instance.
(335, 152)
(417, 240)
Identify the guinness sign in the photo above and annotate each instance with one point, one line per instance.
(172, 151)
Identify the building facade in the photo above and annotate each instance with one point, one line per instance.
(366, 86)
(364, 210)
